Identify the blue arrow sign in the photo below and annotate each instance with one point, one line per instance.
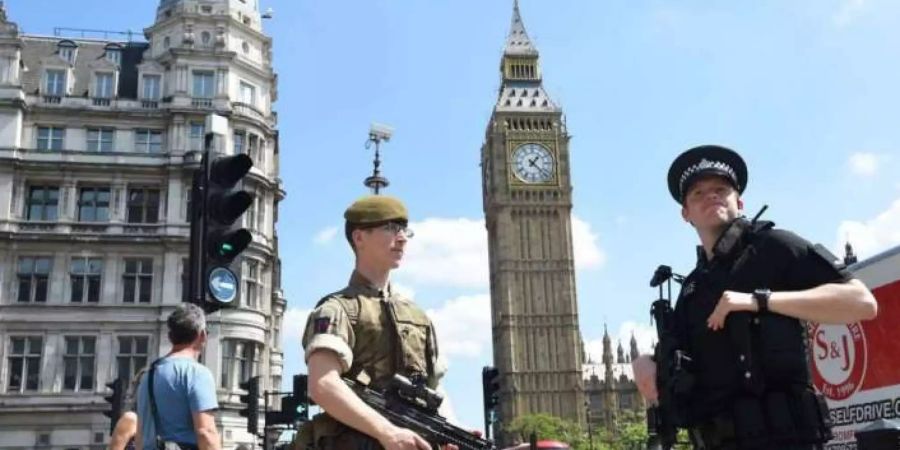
(222, 284)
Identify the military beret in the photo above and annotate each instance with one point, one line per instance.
(702, 161)
(373, 209)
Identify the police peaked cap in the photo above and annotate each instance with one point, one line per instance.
(376, 209)
(702, 161)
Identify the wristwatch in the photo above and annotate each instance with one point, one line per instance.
(762, 299)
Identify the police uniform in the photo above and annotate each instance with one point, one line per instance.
(375, 333)
(750, 382)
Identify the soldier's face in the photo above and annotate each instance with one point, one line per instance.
(382, 246)
(710, 203)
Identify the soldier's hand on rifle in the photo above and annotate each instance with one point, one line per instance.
(645, 377)
(403, 439)
(730, 301)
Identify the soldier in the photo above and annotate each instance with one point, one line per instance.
(368, 332)
(739, 316)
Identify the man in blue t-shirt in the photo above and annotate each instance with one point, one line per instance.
(184, 389)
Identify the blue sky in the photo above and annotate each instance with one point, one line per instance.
(807, 91)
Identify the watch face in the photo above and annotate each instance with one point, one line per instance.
(533, 163)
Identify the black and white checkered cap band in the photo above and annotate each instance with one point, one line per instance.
(703, 165)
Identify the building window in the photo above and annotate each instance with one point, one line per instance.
(152, 85)
(240, 361)
(79, 363)
(133, 354)
(260, 212)
(248, 94)
(42, 203)
(240, 139)
(143, 205)
(50, 138)
(114, 55)
(250, 214)
(203, 84)
(253, 144)
(33, 274)
(85, 279)
(148, 141)
(137, 280)
(93, 204)
(67, 51)
(251, 284)
(197, 131)
(100, 139)
(24, 362)
(104, 85)
(56, 83)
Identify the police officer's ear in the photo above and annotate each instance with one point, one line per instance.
(740, 204)
(684, 214)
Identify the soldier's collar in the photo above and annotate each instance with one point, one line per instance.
(358, 281)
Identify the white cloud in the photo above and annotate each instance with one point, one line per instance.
(292, 326)
(871, 236)
(454, 252)
(848, 11)
(463, 326)
(325, 236)
(864, 163)
(587, 253)
(450, 252)
(403, 290)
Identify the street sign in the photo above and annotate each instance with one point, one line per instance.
(222, 284)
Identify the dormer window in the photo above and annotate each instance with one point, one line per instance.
(104, 85)
(67, 50)
(114, 54)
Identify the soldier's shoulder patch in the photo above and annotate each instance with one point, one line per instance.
(322, 324)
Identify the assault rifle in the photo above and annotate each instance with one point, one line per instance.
(414, 406)
(671, 365)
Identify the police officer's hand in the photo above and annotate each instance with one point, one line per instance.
(404, 439)
(449, 447)
(730, 301)
(645, 377)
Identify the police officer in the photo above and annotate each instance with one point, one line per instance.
(367, 332)
(739, 314)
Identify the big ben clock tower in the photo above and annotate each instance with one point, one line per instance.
(527, 205)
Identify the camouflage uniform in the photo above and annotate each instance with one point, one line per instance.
(355, 324)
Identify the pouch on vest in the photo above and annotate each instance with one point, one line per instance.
(811, 416)
(303, 440)
(780, 420)
(749, 422)
(322, 429)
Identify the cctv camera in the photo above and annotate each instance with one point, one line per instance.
(380, 132)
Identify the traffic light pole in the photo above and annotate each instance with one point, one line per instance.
(197, 258)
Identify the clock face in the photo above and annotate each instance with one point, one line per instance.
(533, 163)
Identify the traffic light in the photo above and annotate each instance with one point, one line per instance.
(224, 205)
(490, 388)
(490, 384)
(251, 402)
(294, 407)
(216, 240)
(116, 401)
